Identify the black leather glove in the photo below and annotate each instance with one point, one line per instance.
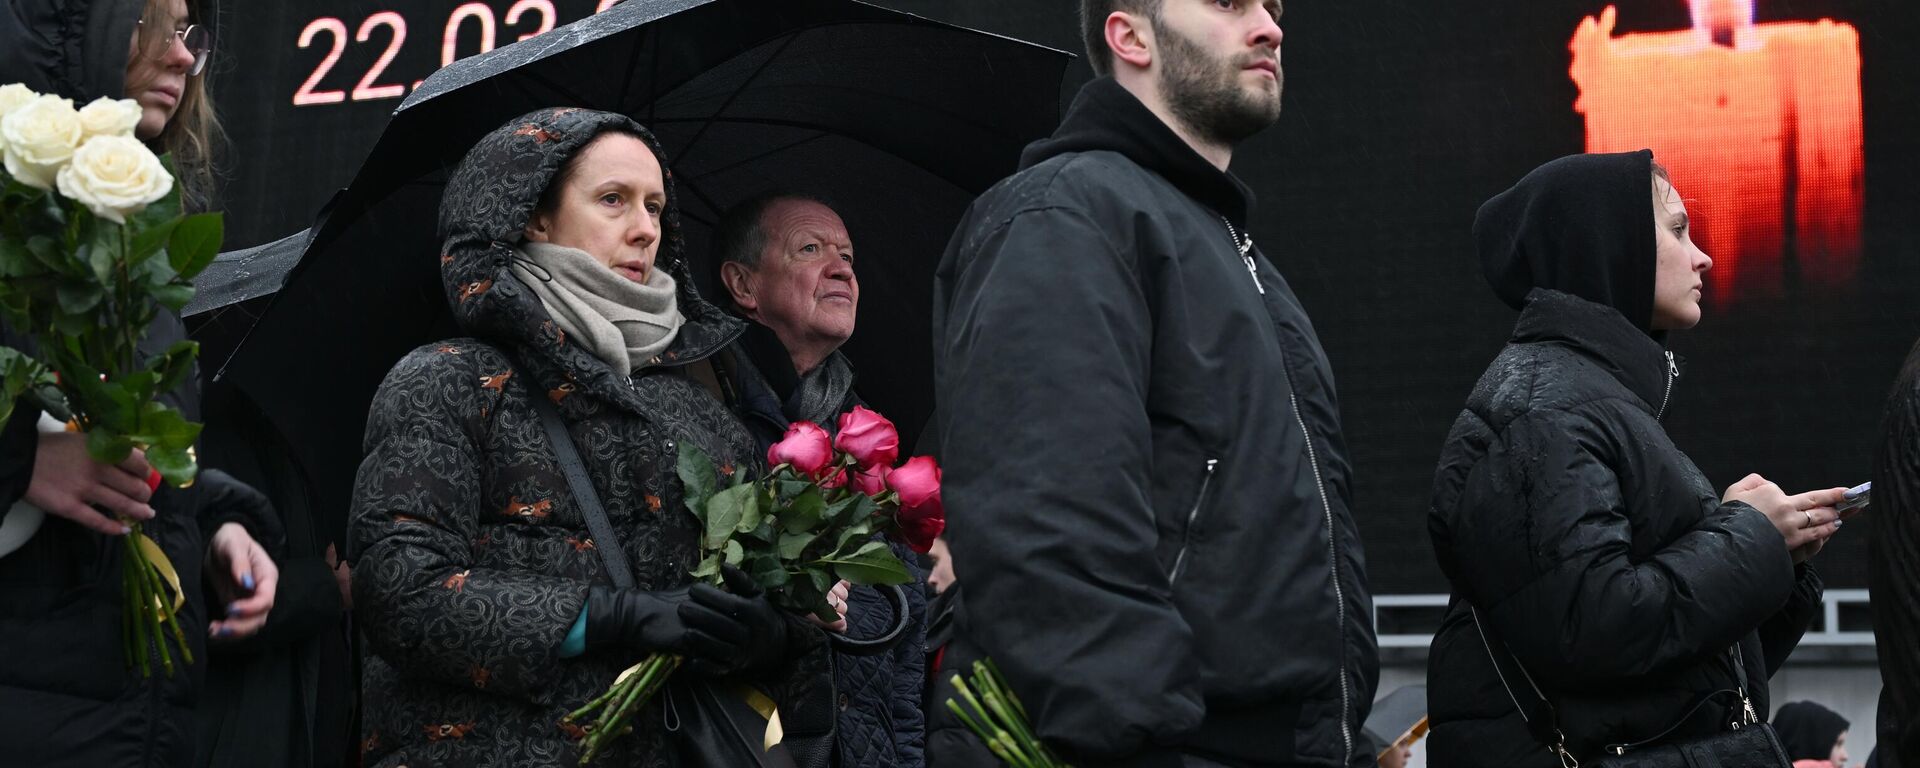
(665, 620)
(763, 645)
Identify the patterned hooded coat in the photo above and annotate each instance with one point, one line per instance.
(473, 559)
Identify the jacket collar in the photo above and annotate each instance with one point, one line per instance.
(1106, 116)
(1601, 333)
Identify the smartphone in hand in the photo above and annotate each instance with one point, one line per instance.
(1857, 497)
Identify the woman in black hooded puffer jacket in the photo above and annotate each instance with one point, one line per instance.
(1586, 552)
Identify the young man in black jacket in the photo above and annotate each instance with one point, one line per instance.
(1143, 454)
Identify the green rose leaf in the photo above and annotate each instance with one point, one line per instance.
(792, 544)
(859, 532)
(724, 511)
(734, 553)
(871, 564)
(753, 511)
(821, 579)
(696, 478)
(858, 511)
(791, 486)
(76, 297)
(194, 243)
(805, 512)
(708, 568)
(18, 374)
(767, 572)
(174, 365)
(174, 465)
(106, 447)
(173, 296)
(16, 260)
(150, 240)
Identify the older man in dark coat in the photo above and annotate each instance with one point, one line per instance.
(786, 261)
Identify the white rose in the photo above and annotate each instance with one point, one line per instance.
(109, 117)
(13, 96)
(114, 176)
(40, 137)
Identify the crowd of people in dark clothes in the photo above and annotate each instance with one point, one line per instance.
(1131, 400)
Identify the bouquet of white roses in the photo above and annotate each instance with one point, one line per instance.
(92, 245)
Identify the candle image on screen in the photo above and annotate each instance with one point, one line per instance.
(1759, 125)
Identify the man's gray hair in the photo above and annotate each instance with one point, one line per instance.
(741, 234)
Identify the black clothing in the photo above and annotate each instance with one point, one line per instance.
(1807, 730)
(1578, 225)
(1143, 458)
(1893, 565)
(949, 743)
(1598, 555)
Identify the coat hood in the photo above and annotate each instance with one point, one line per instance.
(1106, 116)
(483, 219)
(73, 48)
(1581, 225)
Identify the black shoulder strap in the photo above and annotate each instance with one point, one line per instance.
(1544, 722)
(568, 457)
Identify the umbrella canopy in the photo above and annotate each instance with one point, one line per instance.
(246, 274)
(897, 120)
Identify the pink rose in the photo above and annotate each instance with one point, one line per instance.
(872, 482)
(805, 447)
(922, 516)
(868, 437)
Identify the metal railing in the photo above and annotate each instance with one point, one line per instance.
(1827, 632)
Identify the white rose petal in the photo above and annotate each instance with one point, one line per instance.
(14, 96)
(114, 176)
(40, 137)
(109, 117)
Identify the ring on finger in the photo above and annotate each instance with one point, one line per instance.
(1809, 518)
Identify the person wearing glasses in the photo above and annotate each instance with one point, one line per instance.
(68, 695)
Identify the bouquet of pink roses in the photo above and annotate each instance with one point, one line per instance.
(820, 516)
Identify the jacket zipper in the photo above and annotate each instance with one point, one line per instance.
(1245, 248)
(1333, 552)
(1673, 372)
(1333, 564)
(1192, 515)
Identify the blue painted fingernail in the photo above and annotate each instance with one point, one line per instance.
(233, 608)
(124, 530)
(246, 580)
(1838, 523)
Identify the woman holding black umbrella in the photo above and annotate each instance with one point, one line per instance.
(1603, 592)
(487, 603)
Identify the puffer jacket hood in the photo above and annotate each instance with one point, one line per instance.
(73, 48)
(1582, 225)
(483, 218)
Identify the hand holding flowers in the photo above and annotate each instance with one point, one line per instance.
(92, 245)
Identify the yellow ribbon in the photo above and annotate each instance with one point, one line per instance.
(163, 566)
(768, 710)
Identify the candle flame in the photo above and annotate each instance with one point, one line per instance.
(1725, 23)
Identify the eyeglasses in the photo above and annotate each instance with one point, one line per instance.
(198, 41)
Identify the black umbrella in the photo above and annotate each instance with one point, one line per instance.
(897, 120)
